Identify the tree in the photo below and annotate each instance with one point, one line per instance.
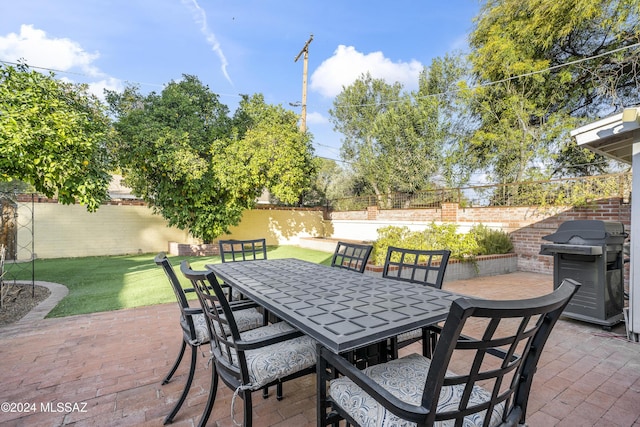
(199, 168)
(54, 136)
(541, 68)
(326, 183)
(440, 102)
(396, 140)
(266, 150)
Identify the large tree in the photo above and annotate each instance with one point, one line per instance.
(541, 68)
(393, 139)
(53, 136)
(199, 168)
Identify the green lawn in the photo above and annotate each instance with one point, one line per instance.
(113, 282)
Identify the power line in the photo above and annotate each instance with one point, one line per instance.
(53, 70)
(495, 82)
(486, 84)
(73, 73)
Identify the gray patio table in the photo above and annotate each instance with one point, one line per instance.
(342, 310)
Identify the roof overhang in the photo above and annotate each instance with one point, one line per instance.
(613, 136)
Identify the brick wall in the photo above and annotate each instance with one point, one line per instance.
(527, 225)
(527, 239)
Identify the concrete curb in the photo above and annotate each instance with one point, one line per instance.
(39, 312)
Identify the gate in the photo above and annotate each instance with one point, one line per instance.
(17, 237)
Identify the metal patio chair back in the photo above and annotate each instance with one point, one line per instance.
(351, 256)
(242, 250)
(426, 267)
(252, 360)
(194, 328)
(480, 374)
(194, 331)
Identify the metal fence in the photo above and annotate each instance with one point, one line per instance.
(18, 253)
(561, 192)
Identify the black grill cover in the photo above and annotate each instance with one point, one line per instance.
(588, 232)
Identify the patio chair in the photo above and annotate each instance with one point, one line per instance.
(354, 257)
(351, 256)
(495, 362)
(425, 267)
(241, 250)
(251, 360)
(194, 328)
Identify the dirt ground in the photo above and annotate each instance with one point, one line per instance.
(18, 300)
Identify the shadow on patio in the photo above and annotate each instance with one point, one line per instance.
(105, 369)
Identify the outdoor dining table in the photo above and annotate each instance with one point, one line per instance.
(342, 310)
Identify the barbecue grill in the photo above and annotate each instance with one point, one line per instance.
(590, 252)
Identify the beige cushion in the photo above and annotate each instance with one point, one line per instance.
(405, 379)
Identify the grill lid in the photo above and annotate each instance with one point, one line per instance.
(588, 232)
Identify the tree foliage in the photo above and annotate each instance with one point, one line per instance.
(393, 139)
(199, 168)
(331, 183)
(54, 136)
(541, 68)
(266, 150)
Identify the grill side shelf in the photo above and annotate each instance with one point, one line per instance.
(558, 248)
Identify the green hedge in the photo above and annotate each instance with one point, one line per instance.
(480, 240)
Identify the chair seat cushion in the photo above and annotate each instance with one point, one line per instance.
(249, 318)
(200, 327)
(246, 319)
(411, 335)
(275, 361)
(405, 379)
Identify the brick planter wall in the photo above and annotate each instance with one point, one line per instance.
(526, 224)
(486, 265)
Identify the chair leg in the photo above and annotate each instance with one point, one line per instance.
(213, 389)
(175, 364)
(279, 395)
(393, 344)
(187, 386)
(248, 409)
(426, 343)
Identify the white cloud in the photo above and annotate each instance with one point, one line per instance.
(59, 54)
(36, 49)
(97, 88)
(317, 118)
(347, 64)
(200, 16)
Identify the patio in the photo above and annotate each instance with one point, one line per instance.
(105, 369)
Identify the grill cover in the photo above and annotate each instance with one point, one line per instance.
(590, 251)
(588, 232)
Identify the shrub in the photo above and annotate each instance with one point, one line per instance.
(481, 240)
(491, 241)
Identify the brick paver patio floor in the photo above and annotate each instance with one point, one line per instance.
(105, 369)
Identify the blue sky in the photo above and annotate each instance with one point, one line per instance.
(237, 47)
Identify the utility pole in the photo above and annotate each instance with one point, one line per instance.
(305, 51)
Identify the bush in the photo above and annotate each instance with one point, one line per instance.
(481, 240)
(491, 241)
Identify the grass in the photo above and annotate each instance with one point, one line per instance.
(108, 283)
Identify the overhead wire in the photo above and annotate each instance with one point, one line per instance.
(495, 82)
(75, 73)
(448, 92)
